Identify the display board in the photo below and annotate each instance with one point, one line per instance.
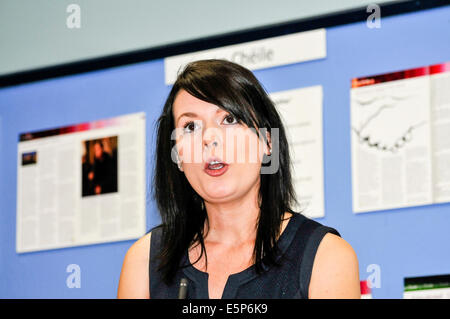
(391, 243)
(81, 184)
(401, 138)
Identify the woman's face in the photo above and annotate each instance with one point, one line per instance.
(204, 132)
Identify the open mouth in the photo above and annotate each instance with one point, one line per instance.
(215, 167)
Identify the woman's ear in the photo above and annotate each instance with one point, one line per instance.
(268, 151)
(180, 167)
(176, 156)
(179, 162)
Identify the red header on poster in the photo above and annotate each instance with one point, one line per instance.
(68, 129)
(400, 75)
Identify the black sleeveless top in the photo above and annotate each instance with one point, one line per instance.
(297, 244)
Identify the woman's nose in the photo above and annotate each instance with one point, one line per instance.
(213, 143)
(212, 136)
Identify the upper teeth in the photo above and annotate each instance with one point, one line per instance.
(214, 162)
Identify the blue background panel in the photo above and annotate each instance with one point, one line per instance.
(404, 242)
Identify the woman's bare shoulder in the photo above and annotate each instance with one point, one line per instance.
(139, 251)
(335, 271)
(141, 247)
(134, 279)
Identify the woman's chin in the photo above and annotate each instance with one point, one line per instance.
(217, 193)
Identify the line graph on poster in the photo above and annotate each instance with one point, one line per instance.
(386, 122)
(399, 142)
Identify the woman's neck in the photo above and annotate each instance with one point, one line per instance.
(233, 222)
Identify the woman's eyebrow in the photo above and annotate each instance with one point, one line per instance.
(187, 114)
(191, 114)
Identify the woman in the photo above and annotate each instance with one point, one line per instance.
(228, 229)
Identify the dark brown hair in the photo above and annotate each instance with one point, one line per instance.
(236, 90)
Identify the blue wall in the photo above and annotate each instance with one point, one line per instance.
(403, 242)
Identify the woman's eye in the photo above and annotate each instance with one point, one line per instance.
(189, 127)
(230, 119)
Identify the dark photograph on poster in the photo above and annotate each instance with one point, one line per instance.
(99, 166)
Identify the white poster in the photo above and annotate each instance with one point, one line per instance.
(301, 112)
(259, 54)
(400, 128)
(81, 184)
(427, 287)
